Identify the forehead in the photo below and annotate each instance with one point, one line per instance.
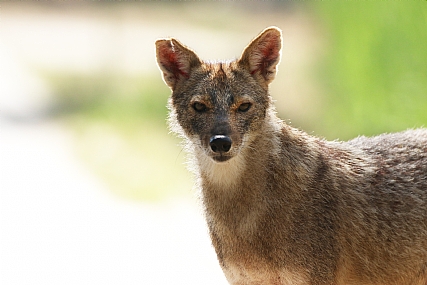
(220, 68)
(222, 80)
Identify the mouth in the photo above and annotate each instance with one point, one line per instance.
(221, 158)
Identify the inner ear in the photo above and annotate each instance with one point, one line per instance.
(175, 61)
(262, 55)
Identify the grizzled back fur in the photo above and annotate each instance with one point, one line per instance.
(284, 207)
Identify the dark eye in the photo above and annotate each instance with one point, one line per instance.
(199, 107)
(244, 107)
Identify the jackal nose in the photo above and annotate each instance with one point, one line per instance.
(220, 143)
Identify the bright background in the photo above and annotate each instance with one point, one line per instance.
(93, 188)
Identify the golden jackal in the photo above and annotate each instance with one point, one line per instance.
(284, 207)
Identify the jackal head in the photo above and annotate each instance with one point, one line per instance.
(220, 106)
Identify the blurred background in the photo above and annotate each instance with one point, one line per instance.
(93, 188)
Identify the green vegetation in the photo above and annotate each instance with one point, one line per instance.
(117, 99)
(120, 123)
(375, 72)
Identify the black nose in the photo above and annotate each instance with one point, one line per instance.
(220, 143)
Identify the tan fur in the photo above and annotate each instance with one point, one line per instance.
(284, 207)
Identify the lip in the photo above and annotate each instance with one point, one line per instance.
(221, 158)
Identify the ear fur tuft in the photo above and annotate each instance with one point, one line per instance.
(262, 55)
(175, 61)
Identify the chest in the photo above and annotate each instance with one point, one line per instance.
(240, 275)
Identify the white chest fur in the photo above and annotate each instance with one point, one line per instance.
(241, 276)
(222, 174)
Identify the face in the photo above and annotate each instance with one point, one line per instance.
(220, 108)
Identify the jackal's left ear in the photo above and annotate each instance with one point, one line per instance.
(262, 55)
(175, 61)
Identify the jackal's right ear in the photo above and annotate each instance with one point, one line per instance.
(175, 61)
(262, 55)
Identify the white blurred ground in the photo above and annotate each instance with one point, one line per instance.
(60, 226)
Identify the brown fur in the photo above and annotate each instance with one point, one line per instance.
(284, 207)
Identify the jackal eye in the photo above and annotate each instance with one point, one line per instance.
(244, 107)
(199, 107)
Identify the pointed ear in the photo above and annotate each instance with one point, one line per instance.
(262, 55)
(175, 61)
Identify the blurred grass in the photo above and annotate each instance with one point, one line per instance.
(120, 122)
(375, 71)
(121, 100)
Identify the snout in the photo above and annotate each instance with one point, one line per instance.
(220, 145)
